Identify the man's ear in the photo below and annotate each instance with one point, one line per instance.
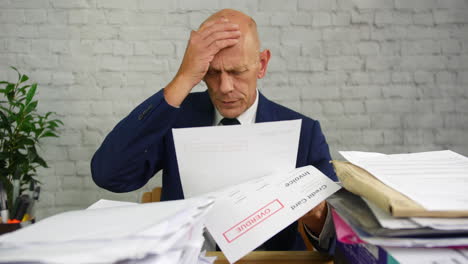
(264, 59)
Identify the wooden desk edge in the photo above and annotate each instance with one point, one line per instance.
(310, 257)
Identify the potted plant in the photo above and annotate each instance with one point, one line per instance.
(21, 129)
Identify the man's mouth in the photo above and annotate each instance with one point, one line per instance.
(228, 102)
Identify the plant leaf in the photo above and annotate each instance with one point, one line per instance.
(3, 155)
(31, 107)
(10, 87)
(19, 74)
(24, 78)
(23, 89)
(17, 174)
(48, 134)
(26, 141)
(32, 154)
(5, 122)
(41, 162)
(58, 121)
(31, 93)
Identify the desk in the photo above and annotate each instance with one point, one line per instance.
(277, 257)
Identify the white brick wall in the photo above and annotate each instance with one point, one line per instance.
(386, 75)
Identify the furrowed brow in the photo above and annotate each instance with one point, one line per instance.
(240, 68)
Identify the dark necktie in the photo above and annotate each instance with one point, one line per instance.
(229, 121)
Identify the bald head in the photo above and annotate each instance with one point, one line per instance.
(233, 72)
(249, 35)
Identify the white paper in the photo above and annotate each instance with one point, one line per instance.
(211, 158)
(388, 221)
(103, 203)
(423, 242)
(165, 232)
(414, 242)
(443, 223)
(436, 180)
(425, 255)
(106, 223)
(249, 214)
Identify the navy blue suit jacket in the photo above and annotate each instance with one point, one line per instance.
(142, 144)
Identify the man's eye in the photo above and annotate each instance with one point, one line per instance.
(211, 72)
(238, 72)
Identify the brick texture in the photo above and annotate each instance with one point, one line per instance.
(386, 75)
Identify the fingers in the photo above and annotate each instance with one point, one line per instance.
(221, 44)
(317, 209)
(203, 45)
(224, 35)
(218, 27)
(206, 24)
(213, 31)
(212, 22)
(219, 35)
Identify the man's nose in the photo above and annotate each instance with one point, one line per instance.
(226, 85)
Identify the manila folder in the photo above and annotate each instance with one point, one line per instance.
(361, 182)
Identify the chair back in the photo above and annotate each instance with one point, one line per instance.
(153, 196)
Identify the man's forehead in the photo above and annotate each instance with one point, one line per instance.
(227, 67)
(232, 63)
(234, 58)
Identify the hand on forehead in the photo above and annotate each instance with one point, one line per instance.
(246, 24)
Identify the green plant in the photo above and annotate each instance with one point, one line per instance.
(21, 129)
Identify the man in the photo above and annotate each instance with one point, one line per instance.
(223, 52)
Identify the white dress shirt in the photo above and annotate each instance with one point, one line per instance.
(248, 117)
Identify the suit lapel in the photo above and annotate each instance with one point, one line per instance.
(265, 111)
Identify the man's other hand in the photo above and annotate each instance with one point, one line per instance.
(202, 46)
(315, 218)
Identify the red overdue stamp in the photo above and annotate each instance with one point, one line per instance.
(252, 220)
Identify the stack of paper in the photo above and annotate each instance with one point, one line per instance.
(434, 181)
(263, 194)
(424, 190)
(166, 232)
(365, 224)
(248, 190)
(355, 242)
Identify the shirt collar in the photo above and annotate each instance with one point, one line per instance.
(248, 117)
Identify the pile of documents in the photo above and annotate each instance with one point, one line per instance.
(240, 182)
(250, 171)
(409, 206)
(113, 232)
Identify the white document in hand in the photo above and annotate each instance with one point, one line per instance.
(247, 215)
(211, 158)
